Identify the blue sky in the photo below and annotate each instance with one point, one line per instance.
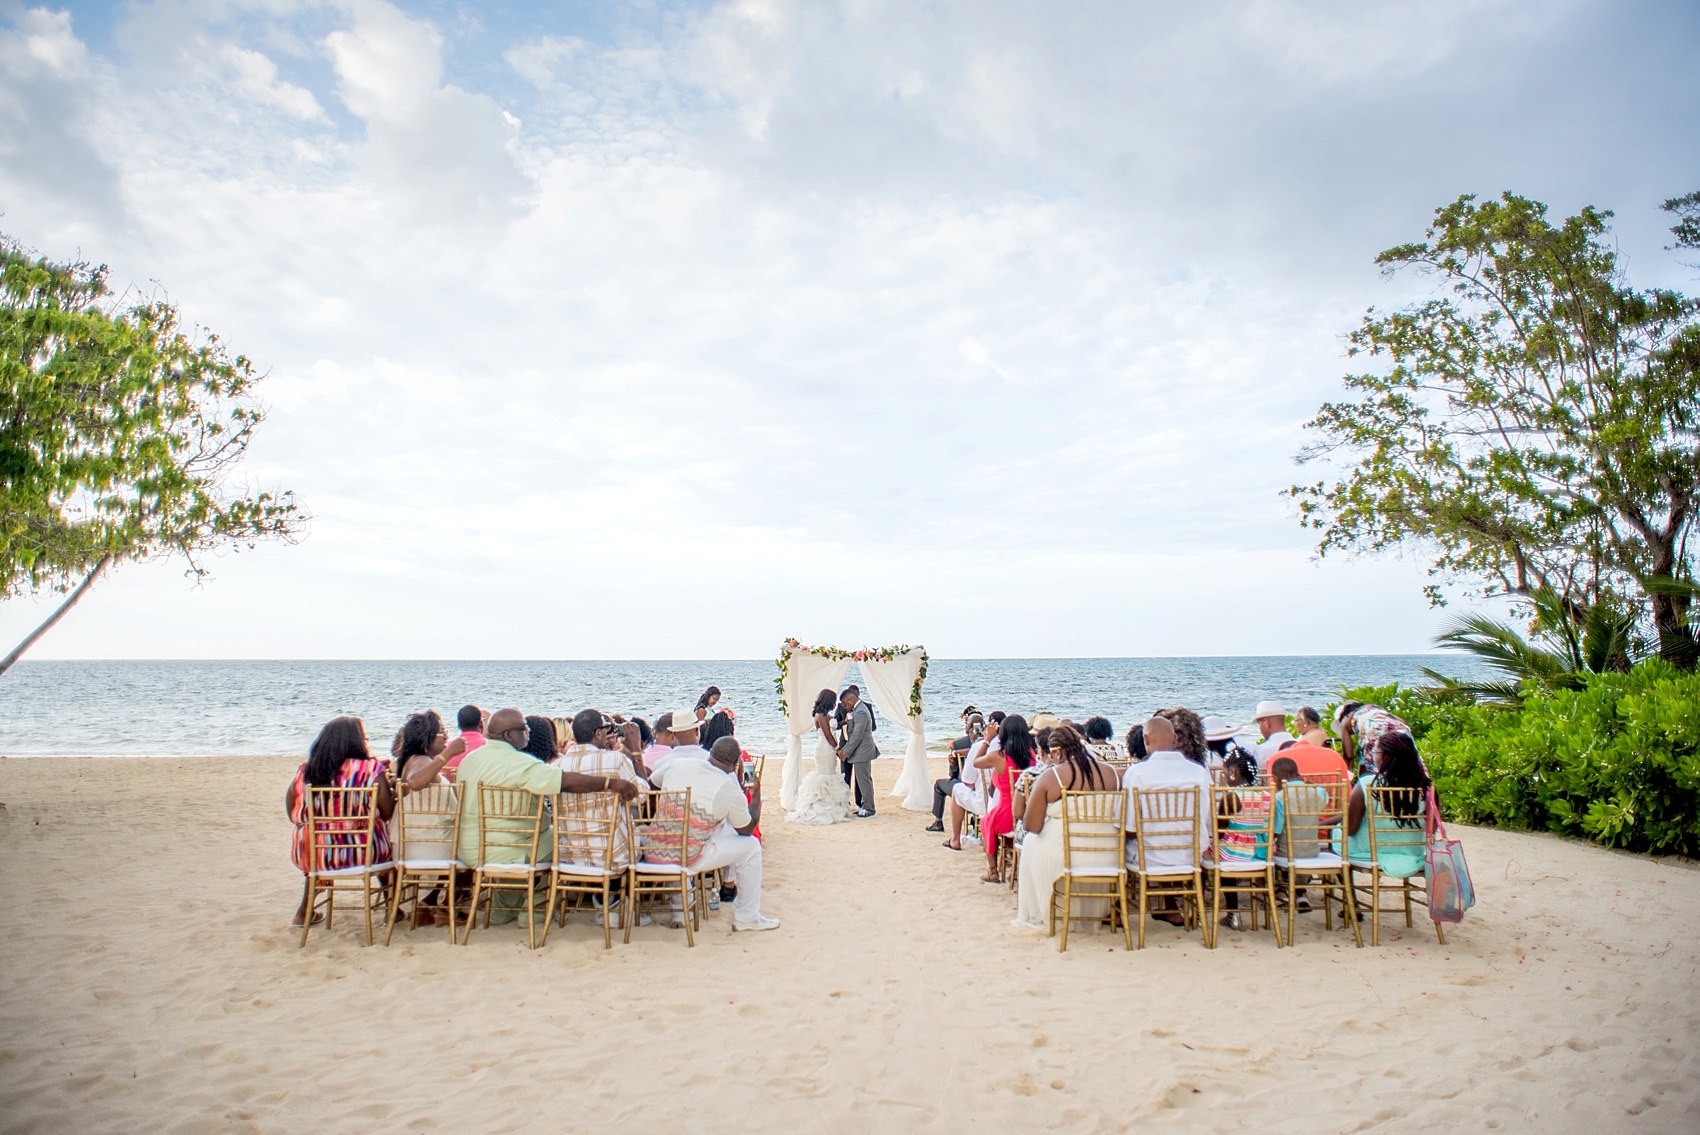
(671, 330)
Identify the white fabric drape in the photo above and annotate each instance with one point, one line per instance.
(890, 684)
(805, 677)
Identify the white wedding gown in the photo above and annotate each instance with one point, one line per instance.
(823, 798)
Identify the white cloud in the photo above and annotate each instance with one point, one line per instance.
(998, 320)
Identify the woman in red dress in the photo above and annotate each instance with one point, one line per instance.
(1017, 753)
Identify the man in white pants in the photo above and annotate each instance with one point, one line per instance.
(717, 798)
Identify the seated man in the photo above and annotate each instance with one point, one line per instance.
(501, 762)
(1165, 767)
(589, 755)
(717, 798)
(470, 722)
(945, 788)
(682, 732)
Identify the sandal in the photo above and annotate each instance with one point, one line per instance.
(953, 846)
(318, 919)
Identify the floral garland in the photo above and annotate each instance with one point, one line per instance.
(873, 654)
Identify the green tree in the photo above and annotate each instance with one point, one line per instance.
(1534, 426)
(119, 436)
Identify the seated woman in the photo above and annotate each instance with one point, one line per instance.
(1047, 758)
(1397, 766)
(541, 741)
(1307, 723)
(1098, 734)
(421, 751)
(1075, 768)
(339, 758)
(1016, 754)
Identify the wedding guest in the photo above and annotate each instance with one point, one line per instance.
(503, 761)
(730, 847)
(1309, 725)
(470, 721)
(684, 733)
(421, 751)
(1239, 825)
(1016, 753)
(658, 749)
(1189, 733)
(1222, 741)
(541, 742)
(1098, 733)
(945, 787)
(338, 758)
(1359, 726)
(722, 724)
(968, 795)
(1167, 767)
(589, 755)
(705, 704)
(1136, 750)
(1069, 765)
(1397, 765)
(1271, 719)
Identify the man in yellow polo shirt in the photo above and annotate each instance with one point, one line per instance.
(501, 763)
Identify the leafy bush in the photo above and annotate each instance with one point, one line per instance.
(1617, 761)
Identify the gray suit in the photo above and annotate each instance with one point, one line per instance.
(860, 751)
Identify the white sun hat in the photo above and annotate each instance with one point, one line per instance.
(1269, 709)
(1218, 729)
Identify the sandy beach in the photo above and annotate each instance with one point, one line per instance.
(153, 983)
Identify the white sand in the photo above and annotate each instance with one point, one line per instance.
(152, 983)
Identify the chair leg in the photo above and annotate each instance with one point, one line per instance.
(549, 911)
(310, 890)
(1351, 912)
(395, 903)
(472, 911)
(628, 911)
(1139, 914)
(607, 913)
(1121, 902)
(690, 915)
(1067, 910)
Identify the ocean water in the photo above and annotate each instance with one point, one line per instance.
(138, 708)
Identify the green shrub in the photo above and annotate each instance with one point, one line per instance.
(1617, 761)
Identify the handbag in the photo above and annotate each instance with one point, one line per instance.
(1447, 875)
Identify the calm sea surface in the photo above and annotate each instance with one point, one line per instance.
(264, 708)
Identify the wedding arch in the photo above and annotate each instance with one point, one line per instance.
(894, 675)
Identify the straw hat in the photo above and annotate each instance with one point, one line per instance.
(1043, 721)
(1218, 729)
(684, 723)
(1269, 709)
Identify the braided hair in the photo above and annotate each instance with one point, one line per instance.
(1077, 756)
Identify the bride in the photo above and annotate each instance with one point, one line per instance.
(824, 798)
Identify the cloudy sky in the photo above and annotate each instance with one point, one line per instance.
(646, 331)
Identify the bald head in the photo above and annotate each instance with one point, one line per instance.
(1159, 735)
(508, 725)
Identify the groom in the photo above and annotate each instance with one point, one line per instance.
(859, 750)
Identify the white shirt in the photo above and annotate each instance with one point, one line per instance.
(1267, 749)
(693, 752)
(713, 792)
(1168, 769)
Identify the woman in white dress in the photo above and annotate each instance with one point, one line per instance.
(823, 797)
(1077, 770)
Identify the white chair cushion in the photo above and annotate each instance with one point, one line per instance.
(349, 872)
(643, 867)
(515, 868)
(433, 865)
(1231, 866)
(1311, 863)
(1092, 872)
(586, 871)
(1164, 872)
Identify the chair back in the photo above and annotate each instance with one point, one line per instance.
(591, 831)
(1094, 826)
(510, 825)
(1166, 826)
(665, 835)
(427, 825)
(339, 823)
(1245, 826)
(1308, 810)
(1396, 822)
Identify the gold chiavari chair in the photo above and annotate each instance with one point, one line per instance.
(340, 852)
(1396, 856)
(1307, 813)
(661, 864)
(1166, 826)
(1242, 862)
(426, 833)
(1094, 831)
(510, 838)
(591, 856)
